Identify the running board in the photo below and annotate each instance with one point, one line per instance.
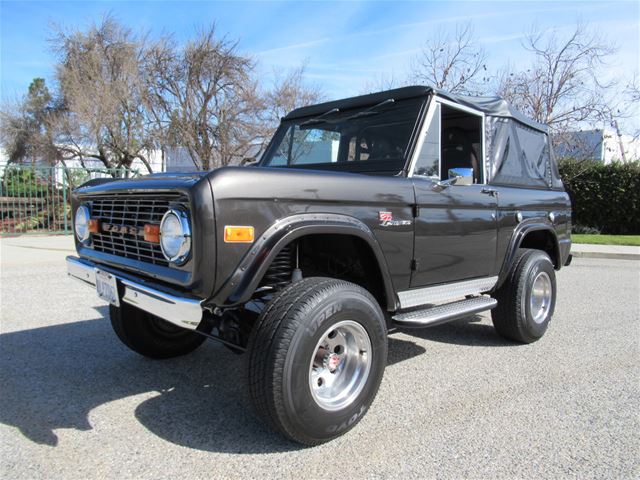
(447, 312)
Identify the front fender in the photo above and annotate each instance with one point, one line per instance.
(243, 282)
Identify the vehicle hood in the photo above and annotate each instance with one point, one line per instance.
(290, 184)
(157, 181)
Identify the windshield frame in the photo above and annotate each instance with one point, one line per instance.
(351, 167)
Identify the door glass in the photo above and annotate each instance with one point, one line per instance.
(461, 145)
(428, 163)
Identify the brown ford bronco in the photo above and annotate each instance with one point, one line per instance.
(401, 209)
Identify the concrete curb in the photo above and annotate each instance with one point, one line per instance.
(617, 252)
(609, 255)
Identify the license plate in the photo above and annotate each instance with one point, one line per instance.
(107, 287)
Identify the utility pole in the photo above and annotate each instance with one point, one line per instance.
(623, 154)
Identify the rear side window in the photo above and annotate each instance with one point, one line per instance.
(524, 156)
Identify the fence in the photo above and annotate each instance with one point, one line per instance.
(37, 199)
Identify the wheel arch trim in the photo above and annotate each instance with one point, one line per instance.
(245, 278)
(520, 233)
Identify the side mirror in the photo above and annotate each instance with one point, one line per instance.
(457, 176)
(463, 176)
(248, 161)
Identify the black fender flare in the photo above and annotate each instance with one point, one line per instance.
(520, 232)
(243, 282)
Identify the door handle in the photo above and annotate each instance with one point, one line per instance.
(490, 191)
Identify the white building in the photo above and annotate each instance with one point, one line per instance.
(173, 160)
(602, 145)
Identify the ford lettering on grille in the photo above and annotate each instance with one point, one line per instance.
(122, 229)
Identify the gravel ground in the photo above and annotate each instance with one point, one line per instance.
(457, 401)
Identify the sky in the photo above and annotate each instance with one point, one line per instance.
(345, 45)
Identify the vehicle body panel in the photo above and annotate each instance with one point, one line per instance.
(263, 196)
(197, 275)
(534, 206)
(455, 233)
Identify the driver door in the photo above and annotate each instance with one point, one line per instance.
(455, 225)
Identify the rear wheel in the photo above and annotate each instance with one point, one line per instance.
(527, 298)
(151, 336)
(316, 359)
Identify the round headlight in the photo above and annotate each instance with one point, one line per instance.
(82, 223)
(175, 236)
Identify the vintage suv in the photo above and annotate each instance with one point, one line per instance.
(401, 209)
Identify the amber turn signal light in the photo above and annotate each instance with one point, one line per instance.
(152, 233)
(94, 225)
(233, 234)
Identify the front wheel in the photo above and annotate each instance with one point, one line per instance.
(527, 298)
(316, 359)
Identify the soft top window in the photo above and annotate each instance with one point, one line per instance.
(519, 155)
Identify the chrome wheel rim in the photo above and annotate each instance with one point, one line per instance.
(340, 365)
(541, 295)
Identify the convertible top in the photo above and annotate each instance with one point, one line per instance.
(490, 105)
(517, 149)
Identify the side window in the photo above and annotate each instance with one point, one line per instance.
(461, 146)
(358, 149)
(351, 153)
(428, 162)
(452, 147)
(282, 154)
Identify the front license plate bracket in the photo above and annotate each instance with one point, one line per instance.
(107, 287)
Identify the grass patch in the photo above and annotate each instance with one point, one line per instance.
(633, 240)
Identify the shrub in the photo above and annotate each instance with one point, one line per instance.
(585, 230)
(604, 197)
(19, 181)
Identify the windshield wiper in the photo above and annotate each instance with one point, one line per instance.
(362, 113)
(320, 118)
(370, 110)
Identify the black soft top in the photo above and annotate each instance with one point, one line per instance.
(490, 105)
(517, 148)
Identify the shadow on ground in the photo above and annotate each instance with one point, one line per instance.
(53, 377)
(467, 331)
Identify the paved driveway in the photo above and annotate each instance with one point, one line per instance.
(456, 401)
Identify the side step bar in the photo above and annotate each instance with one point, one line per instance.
(447, 312)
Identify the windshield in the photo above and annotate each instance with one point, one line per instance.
(368, 139)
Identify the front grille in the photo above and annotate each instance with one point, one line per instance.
(133, 212)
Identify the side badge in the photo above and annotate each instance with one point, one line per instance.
(386, 220)
(385, 217)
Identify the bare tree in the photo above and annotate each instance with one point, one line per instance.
(121, 96)
(206, 98)
(564, 88)
(102, 89)
(452, 62)
(633, 89)
(203, 97)
(383, 82)
(289, 91)
(632, 97)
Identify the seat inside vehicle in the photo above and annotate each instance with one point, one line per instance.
(461, 144)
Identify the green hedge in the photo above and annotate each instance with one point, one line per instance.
(604, 197)
(19, 181)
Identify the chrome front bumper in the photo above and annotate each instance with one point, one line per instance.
(181, 311)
